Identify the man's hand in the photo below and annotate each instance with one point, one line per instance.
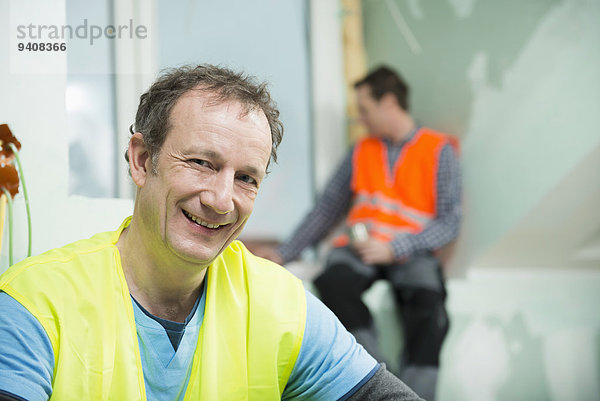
(372, 251)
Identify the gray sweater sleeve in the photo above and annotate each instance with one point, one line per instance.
(384, 386)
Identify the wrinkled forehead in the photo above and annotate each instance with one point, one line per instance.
(212, 99)
(201, 108)
(210, 107)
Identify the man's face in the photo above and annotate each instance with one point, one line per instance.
(208, 173)
(372, 112)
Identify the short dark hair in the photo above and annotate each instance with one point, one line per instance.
(153, 115)
(384, 80)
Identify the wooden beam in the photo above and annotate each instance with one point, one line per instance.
(355, 62)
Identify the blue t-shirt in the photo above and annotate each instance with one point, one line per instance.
(331, 365)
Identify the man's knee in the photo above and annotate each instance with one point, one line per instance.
(344, 269)
(339, 276)
(422, 270)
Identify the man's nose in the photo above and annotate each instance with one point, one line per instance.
(219, 194)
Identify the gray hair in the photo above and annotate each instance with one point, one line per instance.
(153, 115)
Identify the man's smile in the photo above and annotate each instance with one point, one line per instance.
(201, 222)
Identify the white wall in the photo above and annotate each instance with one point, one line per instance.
(526, 136)
(33, 105)
(523, 334)
(328, 89)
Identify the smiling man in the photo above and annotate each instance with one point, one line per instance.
(169, 306)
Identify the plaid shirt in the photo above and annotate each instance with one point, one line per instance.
(335, 202)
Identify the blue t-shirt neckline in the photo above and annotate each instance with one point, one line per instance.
(175, 330)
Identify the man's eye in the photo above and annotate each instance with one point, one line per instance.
(201, 162)
(246, 178)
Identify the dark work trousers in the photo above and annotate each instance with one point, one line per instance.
(419, 290)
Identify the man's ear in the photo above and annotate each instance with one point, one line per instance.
(139, 159)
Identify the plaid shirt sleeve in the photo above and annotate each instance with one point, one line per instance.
(444, 228)
(330, 208)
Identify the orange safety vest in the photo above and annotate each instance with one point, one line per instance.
(403, 200)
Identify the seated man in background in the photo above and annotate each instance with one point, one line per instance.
(169, 306)
(399, 190)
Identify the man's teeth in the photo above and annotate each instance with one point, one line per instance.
(202, 223)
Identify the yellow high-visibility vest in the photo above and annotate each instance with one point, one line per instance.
(247, 346)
